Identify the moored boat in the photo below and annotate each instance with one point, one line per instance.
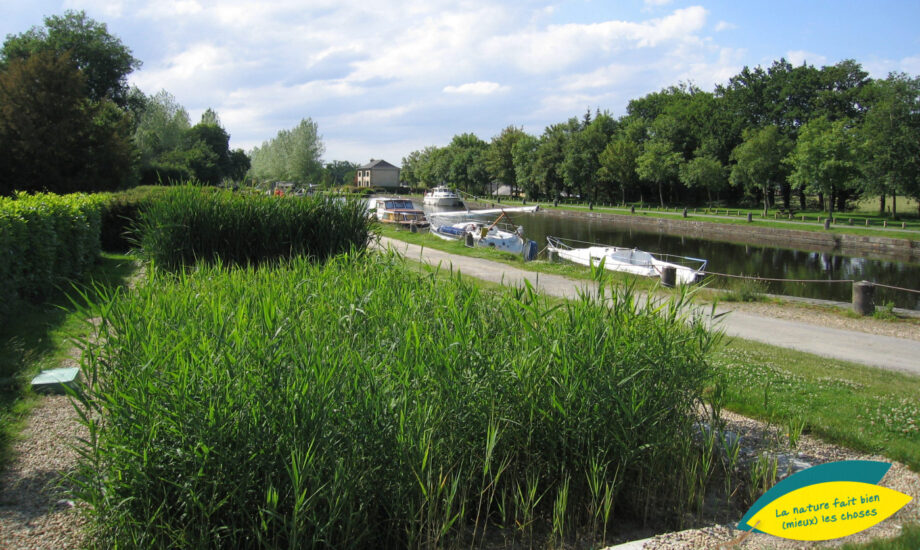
(399, 211)
(490, 235)
(442, 196)
(628, 260)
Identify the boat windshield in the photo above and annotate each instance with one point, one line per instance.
(634, 257)
(399, 205)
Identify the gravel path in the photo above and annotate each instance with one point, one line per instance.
(35, 510)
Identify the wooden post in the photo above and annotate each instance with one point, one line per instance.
(885, 223)
(867, 222)
(685, 212)
(750, 217)
(668, 276)
(863, 294)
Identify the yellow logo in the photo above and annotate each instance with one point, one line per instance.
(828, 510)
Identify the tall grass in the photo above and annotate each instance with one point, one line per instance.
(189, 223)
(359, 404)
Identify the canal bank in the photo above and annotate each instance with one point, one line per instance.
(877, 247)
(885, 352)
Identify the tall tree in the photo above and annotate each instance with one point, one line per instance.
(102, 58)
(759, 162)
(704, 172)
(580, 165)
(891, 138)
(658, 164)
(52, 137)
(824, 159)
(291, 155)
(524, 154)
(618, 163)
(499, 158)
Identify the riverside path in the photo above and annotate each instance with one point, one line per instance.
(885, 352)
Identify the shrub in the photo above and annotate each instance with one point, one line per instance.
(359, 404)
(190, 223)
(44, 240)
(121, 212)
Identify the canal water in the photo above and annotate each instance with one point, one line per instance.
(739, 259)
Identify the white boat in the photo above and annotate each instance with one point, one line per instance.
(489, 235)
(397, 211)
(489, 211)
(629, 260)
(442, 196)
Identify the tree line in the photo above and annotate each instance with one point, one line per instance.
(772, 136)
(69, 121)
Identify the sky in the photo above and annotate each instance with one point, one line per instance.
(384, 78)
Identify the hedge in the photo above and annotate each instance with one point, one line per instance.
(45, 239)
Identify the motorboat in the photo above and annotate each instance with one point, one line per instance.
(399, 211)
(442, 196)
(485, 234)
(628, 260)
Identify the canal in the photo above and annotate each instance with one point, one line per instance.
(739, 259)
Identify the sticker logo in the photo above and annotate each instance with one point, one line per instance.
(825, 502)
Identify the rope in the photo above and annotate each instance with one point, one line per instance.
(897, 288)
(777, 280)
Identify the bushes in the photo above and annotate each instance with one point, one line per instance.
(121, 213)
(359, 404)
(191, 223)
(45, 239)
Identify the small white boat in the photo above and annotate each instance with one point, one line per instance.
(489, 235)
(489, 211)
(442, 196)
(629, 260)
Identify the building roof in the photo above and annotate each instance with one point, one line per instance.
(377, 164)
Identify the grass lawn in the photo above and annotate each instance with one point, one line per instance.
(39, 337)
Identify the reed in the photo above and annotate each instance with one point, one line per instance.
(189, 223)
(361, 404)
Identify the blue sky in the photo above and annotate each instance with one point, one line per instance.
(384, 78)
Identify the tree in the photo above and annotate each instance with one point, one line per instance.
(341, 172)
(759, 162)
(524, 154)
(52, 137)
(161, 127)
(101, 57)
(239, 165)
(704, 172)
(580, 165)
(824, 159)
(618, 165)
(499, 158)
(890, 136)
(658, 163)
(291, 155)
(466, 163)
(208, 152)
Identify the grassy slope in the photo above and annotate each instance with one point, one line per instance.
(41, 339)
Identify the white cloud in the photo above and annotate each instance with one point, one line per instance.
(476, 88)
(725, 26)
(797, 57)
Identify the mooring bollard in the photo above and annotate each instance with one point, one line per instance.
(863, 294)
(803, 218)
(827, 223)
(632, 209)
(555, 203)
(668, 276)
(413, 228)
(685, 212)
(867, 222)
(590, 206)
(750, 217)
(850, 221)
(885, 223)
(470, 242)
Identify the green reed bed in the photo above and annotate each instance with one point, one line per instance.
(189, 223)
(361, 404)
